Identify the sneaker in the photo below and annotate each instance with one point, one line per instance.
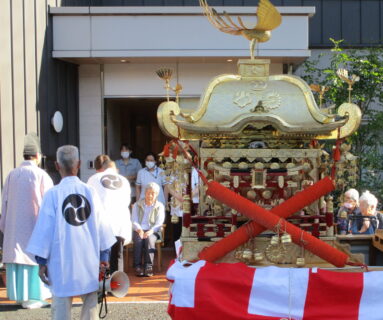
(34, 304)
(149, 271)
(139, 272)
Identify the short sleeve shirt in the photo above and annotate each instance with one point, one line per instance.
(157, 175)
(129, 169)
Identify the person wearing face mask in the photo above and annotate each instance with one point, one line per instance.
(128, 167)
(368, 219)
(151, 173)
(350, 207)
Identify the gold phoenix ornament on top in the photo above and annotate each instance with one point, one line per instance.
(269, 18)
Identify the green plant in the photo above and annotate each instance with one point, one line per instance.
(367, 93)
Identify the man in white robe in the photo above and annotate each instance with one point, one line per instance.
(114, 192)
(71, 239)
(21, 199)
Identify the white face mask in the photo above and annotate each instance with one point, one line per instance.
(150, 164)
(125, 154)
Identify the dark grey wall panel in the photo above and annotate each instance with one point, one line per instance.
(315, 22)
(248, 2)
(351, 21)
(331, 11)
(58, 91)
(191, 3)
(171, 3)
(132, 3)
(153, 3)
(297, 3)
(370, 18)
(215, 2)
(233, 3)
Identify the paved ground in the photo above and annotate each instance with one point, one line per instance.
(116, 311)
(146, 300)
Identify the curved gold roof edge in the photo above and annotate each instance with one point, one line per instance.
(164, 117)
(198, 114)
(240, 122)
(354, 118)
(312, 106)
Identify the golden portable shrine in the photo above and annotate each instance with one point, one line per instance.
(255, 139)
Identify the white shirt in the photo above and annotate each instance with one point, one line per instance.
(195, 185)
(145, 220)
(114, 192)
(145, 176)
(70, 233)
(21, 199)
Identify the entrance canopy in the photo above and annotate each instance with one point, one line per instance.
(109, 34)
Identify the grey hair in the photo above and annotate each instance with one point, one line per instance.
(353, 194)
(369, 198)
(67, 157)
(154, 186)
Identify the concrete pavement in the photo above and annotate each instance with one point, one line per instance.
(116, 311)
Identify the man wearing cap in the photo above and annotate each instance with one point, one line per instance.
(21, 199)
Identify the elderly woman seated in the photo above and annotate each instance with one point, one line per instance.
(147, 216)
(368, 220)
(350, 207)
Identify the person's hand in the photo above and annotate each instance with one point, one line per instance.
(148, 233)
(140, 233)
(104, 265)
(43, 274)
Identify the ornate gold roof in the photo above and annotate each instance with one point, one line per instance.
(253, 100)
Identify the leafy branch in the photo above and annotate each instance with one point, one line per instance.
(367, 93)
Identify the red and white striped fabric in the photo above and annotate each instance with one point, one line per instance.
(226, 291)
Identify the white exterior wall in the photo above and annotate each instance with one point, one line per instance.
(324, 56)
(140, 79)
(169, 32)
(90, 112)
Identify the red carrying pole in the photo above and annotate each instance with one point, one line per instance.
(270, 220)
(300, 200)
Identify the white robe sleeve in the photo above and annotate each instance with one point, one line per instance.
(46, 184)
(107, 238)
(4, 203)
(41, 240)
(126, 223)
